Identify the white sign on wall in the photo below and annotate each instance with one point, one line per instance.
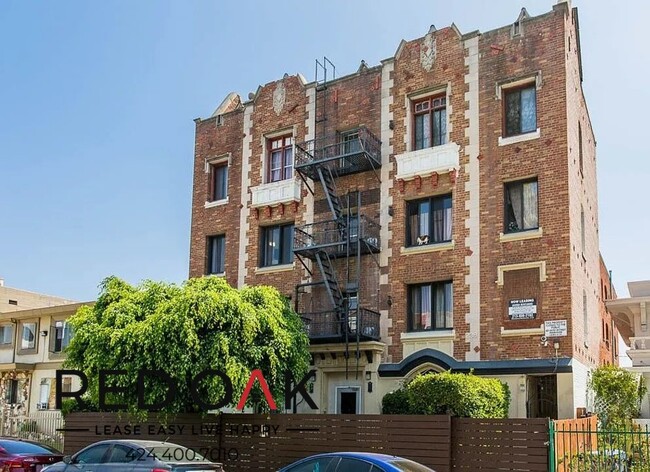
(522, 309)
(555, 328)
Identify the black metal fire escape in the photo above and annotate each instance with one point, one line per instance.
(344, 237)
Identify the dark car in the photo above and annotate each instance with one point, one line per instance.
(26, 456)
(135, 456)
(355, 462)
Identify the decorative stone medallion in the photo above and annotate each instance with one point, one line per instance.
(428, 52)
(279, 97)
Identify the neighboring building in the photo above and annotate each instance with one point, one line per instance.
(14, 299)
(631, 316)
(609, 344)
(428, 213)
(31, 350)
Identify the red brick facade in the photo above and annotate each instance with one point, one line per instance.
(553, 265)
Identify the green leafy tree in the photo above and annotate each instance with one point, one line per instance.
(618, 394)
(464, 395)
(183, 330)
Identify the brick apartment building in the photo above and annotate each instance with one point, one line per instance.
(427, 213)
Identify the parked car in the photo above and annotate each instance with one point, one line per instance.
(135, 456)
(26, 456)
(355, 462)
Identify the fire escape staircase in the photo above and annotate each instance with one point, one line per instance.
(333, 247)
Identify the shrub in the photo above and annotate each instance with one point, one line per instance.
(618, 395)
(463, 395)
(396, 403)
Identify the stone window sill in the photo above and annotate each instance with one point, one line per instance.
(431, 334)
(521, 235)
(522, 332)
(519, 138)
(427, 248)
(216, 203)
(275, 268)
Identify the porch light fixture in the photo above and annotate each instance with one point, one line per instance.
(44, 333)
(368, 375)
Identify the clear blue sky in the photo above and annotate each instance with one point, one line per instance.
(97, 101)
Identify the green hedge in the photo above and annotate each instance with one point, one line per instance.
(463, 395)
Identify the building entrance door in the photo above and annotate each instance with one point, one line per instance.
(348, 400)
(542, 396)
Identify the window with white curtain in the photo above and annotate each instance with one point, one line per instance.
(520, 110)
(431, 306)
(28, 336)
(521, 212)
(429, 221)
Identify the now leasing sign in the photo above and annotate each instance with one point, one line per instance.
(522, 309)
(291, 389)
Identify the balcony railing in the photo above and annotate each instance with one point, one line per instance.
(356, 152)
(331, 326)
(640, 344)
(334, 234)
(274, 193)
(425, 162)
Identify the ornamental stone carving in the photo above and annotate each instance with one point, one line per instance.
(428, 52)
(279, 97)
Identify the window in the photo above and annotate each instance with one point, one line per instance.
(582, 230)
(44, 395)
(280, 161)
(11, 392)
(321, 464)
(218, 182)
(277, 245)
(122, 454)
(580, 158)
(28, 337)
(431, 306)
(520, 110)
(430, 122)
(585, 319)
(350, 144)
(92, 454)
(13, 302)
(429, 221)
(6, 335)
(61, 336)
(216, 255)
(66, 385)
(349, 464)
(521, 206)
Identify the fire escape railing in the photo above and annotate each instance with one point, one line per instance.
(346, 154)
(329, 324)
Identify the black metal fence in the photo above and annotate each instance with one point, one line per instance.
(584, 447)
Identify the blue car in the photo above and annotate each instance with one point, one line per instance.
(355, 462)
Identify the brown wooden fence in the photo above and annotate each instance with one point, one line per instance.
(255, 443)
(573, 437)
(509, 444)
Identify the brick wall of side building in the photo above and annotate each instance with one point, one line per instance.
(535, 57)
